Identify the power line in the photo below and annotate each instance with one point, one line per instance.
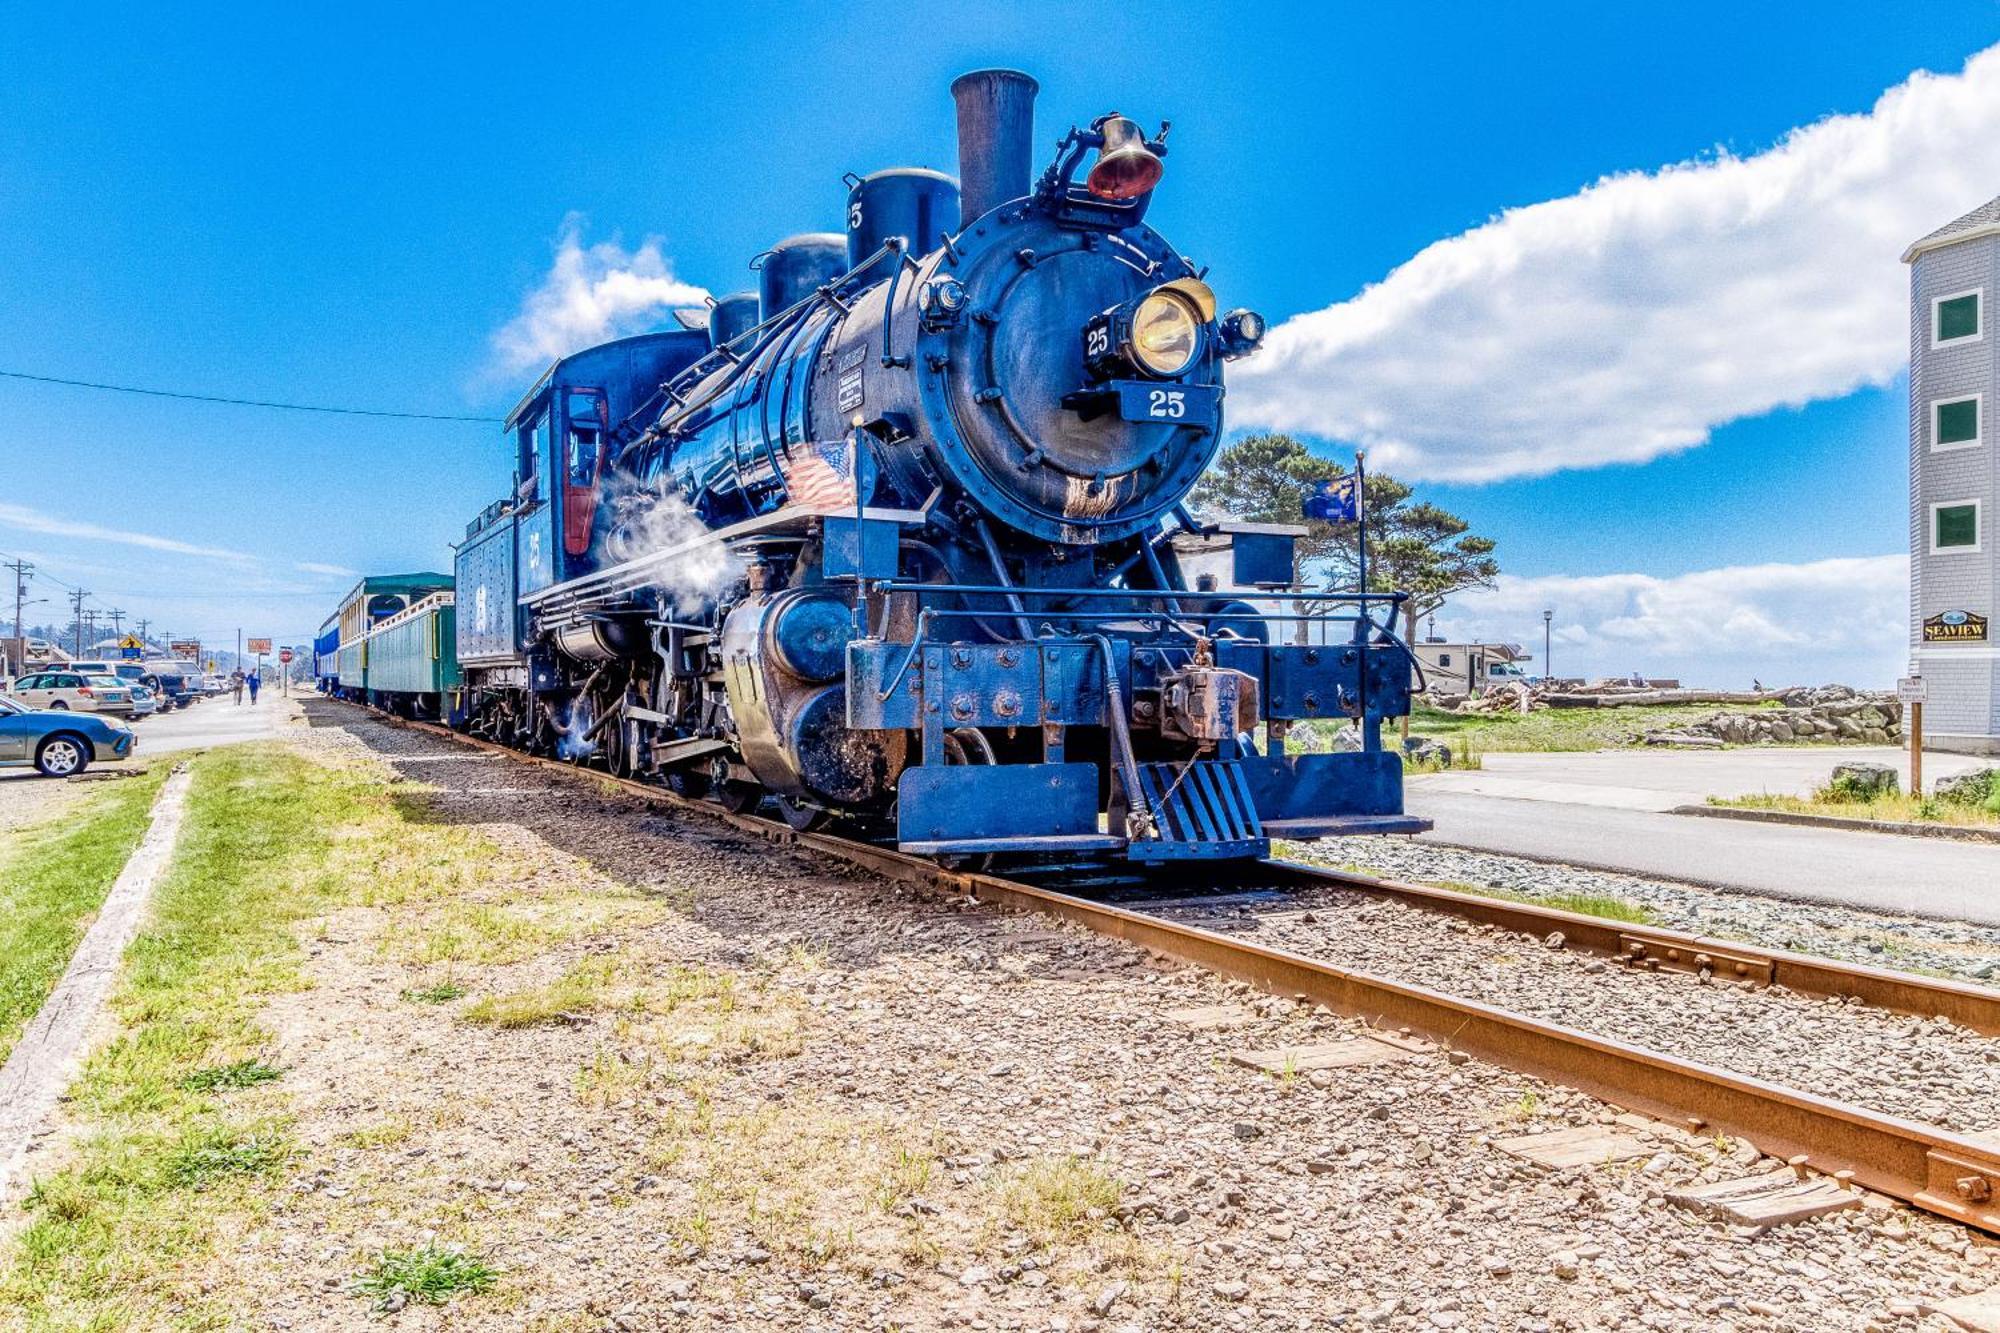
(245, 402)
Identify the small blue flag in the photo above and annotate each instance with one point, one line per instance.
(1334, 501)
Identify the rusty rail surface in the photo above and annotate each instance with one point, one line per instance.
(1655, 948)
(1948, 1174)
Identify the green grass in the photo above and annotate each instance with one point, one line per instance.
(175, 1135)
(576, 991)
(1563, 729)
(1055, 1199)
(429, 1276)
(1606, 905)
(53, 878)
(444, 992)
(236, 1074)
(1900, 808)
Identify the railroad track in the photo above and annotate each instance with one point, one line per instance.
(1952, 1175)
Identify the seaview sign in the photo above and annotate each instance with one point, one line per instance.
(1955, 627)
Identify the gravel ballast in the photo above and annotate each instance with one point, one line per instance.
(921, 1115)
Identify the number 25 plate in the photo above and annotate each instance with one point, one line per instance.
(1176, 404)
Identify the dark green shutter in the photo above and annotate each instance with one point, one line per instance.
(1958, 525)
(1958, 317)
(1958, 422)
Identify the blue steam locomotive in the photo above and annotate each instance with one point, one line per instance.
(899, 539)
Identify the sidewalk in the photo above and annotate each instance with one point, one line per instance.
(1662, 779)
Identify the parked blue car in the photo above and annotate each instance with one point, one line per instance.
(59, 744)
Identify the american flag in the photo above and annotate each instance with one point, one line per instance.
(819, 474)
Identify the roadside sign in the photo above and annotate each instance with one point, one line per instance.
(258, 647)
(187, 650)
(285, 656)
(129, 646)
(210, 668)
(1911, 690)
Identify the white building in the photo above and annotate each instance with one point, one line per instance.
(1954, 554)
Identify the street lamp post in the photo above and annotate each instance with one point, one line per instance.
(1548, 620)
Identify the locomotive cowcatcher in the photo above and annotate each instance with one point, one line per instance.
(900, 539)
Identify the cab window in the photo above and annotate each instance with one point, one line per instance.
(531, 442)
(585, 411)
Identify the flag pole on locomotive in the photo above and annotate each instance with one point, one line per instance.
(1345, 500)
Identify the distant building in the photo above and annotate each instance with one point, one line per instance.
(1468, 668)
(1954, 554)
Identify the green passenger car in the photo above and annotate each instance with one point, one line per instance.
(413, 652)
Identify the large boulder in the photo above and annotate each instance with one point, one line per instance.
(1427, 752)
(1974, 788)
(1862, 782)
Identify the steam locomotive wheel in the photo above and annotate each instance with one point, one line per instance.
(967, 746)
(735, 797)
(804, 818)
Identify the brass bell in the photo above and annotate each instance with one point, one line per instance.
(1125, 167)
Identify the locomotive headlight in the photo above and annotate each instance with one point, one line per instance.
(1166, 333)
(1160, 334)
(1240, 332)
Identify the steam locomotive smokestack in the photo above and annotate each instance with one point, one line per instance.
(996, 138)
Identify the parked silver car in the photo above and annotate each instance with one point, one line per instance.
(66, 690)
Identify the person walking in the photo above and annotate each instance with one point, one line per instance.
(253, 682)
(236, 686)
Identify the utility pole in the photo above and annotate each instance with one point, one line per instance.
(19, 655)
(1548, 619)
(142, 629)
(76, 601)
(117, 622)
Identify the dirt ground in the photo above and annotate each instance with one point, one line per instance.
(664, 1076)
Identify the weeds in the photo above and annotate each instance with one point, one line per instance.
(444, 992)
(1605, 905)
(1056, 1199)
(203, 1157)
(241, 1074)
(576, 992)
(427, 1276)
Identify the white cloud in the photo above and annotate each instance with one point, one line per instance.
(32, 520)
(589, 295)
(340, 571)
(1826, 620)
(1628, 320)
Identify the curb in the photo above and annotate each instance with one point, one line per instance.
(55, 1042)
(1949, 832)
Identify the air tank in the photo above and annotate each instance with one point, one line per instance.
(732, 316)
(996, 138)
(795, 267)
(911, 202)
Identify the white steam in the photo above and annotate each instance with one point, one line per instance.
(689, 566)
(591, 294)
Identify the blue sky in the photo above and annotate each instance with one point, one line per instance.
(344, 205)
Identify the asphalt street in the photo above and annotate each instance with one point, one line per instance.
(1878, 871)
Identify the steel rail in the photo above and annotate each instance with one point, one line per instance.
(1655, 948)
(1948, 1174)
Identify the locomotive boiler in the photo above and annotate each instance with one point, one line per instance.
(900, 538)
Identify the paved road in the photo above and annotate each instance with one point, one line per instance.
(214, 721)
(1878, 871)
